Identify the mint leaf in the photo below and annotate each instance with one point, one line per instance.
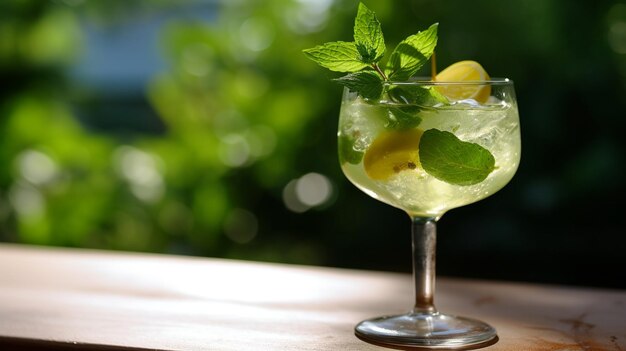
(447, 158)
(347, 153)
(417, 95)
(435, 94)
(412, 100)
(360, 58)
(412, 53)
(403, 117)
(368, 84)
(339, 56)
(368, 35)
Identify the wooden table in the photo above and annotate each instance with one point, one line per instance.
(57, 299)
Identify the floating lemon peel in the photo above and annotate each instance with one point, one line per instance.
(391, 153)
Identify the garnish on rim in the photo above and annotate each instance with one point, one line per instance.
(361, 58)
(404, 146)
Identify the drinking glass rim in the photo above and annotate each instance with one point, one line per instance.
(421, 81)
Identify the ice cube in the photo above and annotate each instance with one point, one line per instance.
(467, 102)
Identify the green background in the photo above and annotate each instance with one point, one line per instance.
(192, 148)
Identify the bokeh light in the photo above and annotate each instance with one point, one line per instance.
(306, 192)
(142, 172)
(27, 200)
(36, 167)
(241, 226)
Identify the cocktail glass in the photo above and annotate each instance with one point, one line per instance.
(379, 153)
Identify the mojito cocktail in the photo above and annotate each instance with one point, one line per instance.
(382, 157)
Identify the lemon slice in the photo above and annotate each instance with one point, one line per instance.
(392, 152)
(464, 71)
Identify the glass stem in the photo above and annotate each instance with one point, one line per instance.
(424, 235)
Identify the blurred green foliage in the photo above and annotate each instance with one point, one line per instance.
(239, 114)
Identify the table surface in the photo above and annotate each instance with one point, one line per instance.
(57, 299)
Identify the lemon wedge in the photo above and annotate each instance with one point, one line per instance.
(464, 71)
(392, 152)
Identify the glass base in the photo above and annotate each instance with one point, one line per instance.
(426, 331)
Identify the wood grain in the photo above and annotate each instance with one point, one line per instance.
(69, 299)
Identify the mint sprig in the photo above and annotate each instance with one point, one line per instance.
(362, 57)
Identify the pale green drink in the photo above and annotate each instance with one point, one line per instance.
(494, 125)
